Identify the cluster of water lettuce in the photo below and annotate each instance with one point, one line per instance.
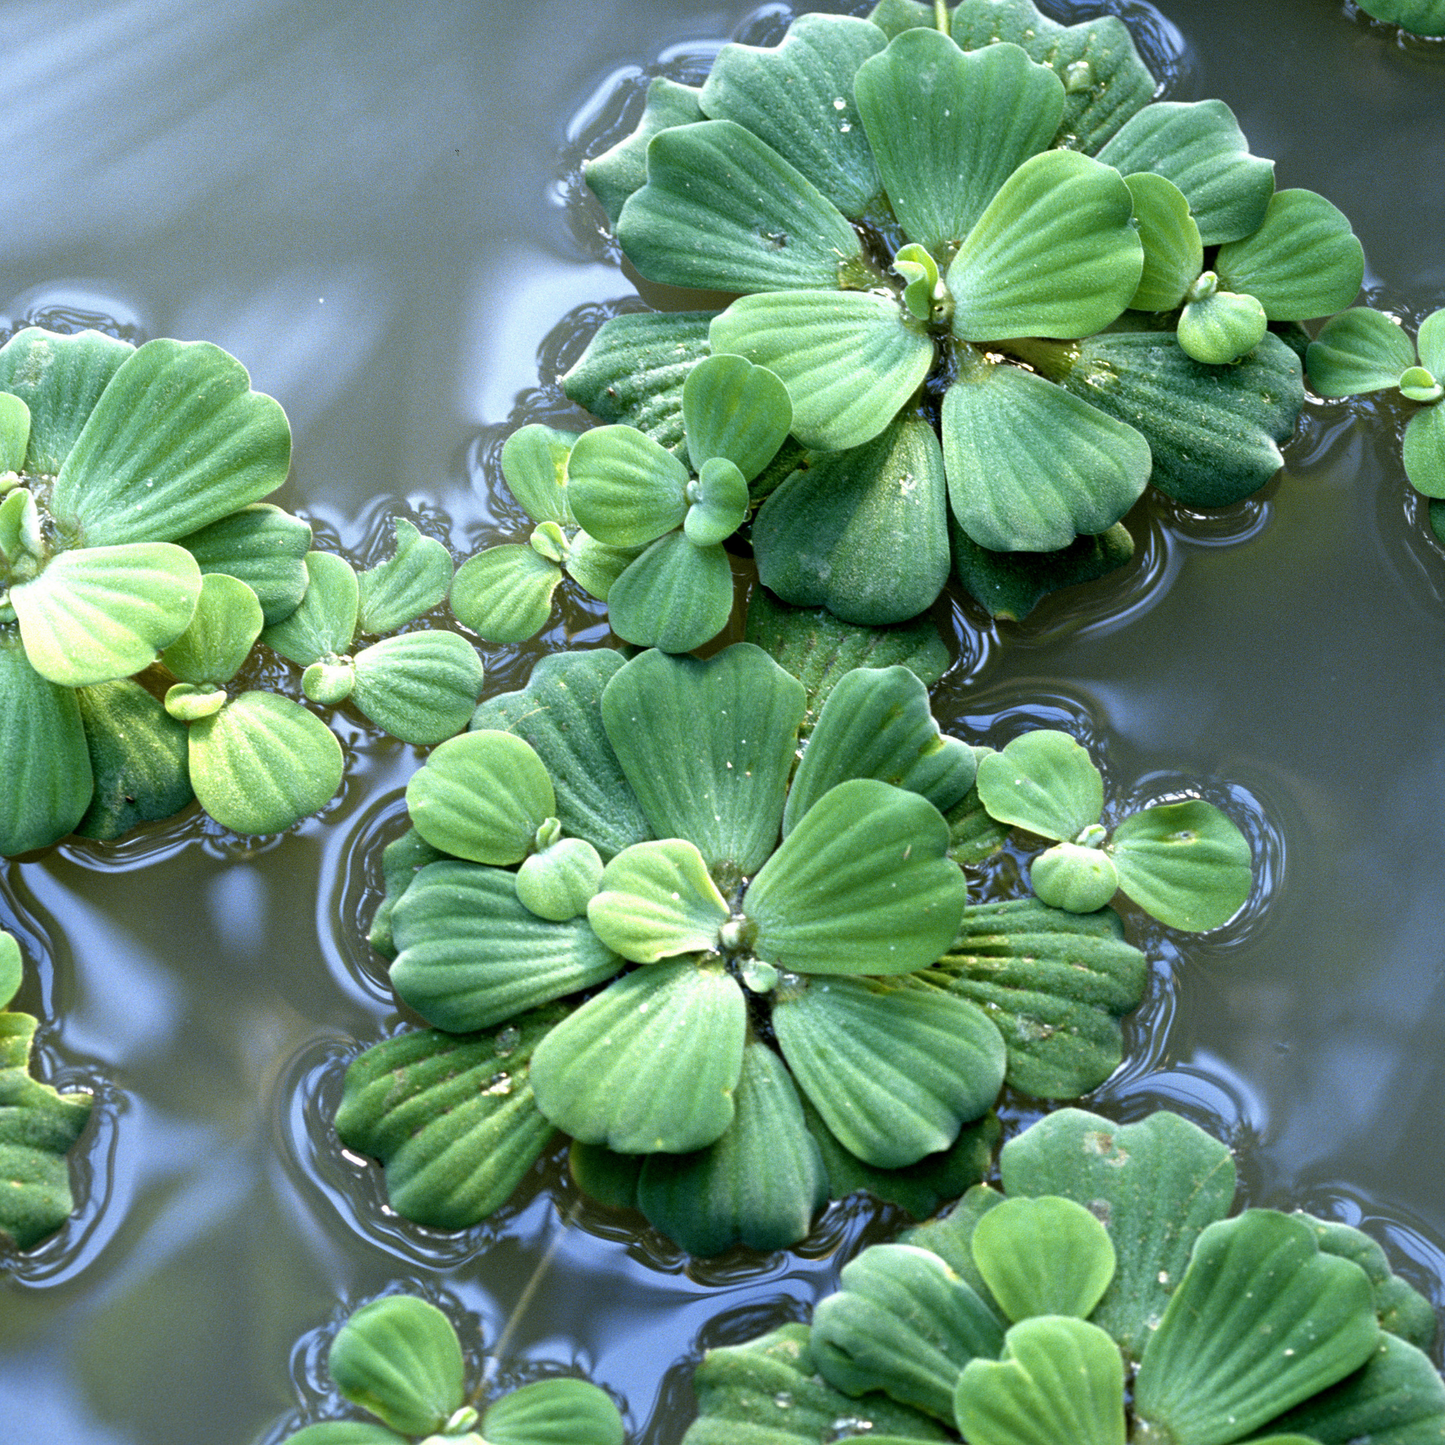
(993, 279)
(132, 533)
(399, 1359)
(1102, 1297)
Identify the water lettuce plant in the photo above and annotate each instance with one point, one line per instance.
(399, 1359)
(1102, 1297)
(994, 278)
(38, 1125)
(1422, 17)
(740, 985)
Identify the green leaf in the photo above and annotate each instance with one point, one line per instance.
(610, 1179)
(877, 724)
(1417, 384)
(1260, 1322)
(401, 860)
(760, 1185)
(1199, 147)
(1155, 1184)
(951, 1237)
(481, 797)
(99, 613)
(862, 885)
(1077, 879)
(693, 225)
(59, 378)
(12, 970)
(1045, 1256)
(1220, 328)
(327, 683)
(324, 625)
(558, 883)
(413, 580)
(655, 901)
(1431, 341)
(850, 360)
(616, 173)
(261, 546)
(894, 1069)
(534, 467)
(399, 1358)
(263, 762)
(451, 1119)
(650, 1064)
(559, 713)
(734, 410)
(14, 432)
(595, 566)
(1030, 466)
(675, 596)
(862, 532)
(624, 488)
(707, 747)
(227, 621)
(1043, 781)
(186, 702)
(902, 1322)
(20, 528)
(1054, 254)
(1423, 451)
(138, 757)
(345, 1432)
(1303, 261)
(1059, 1379)
(1185, 863)
(973, 836)
(1054, 984)
(722, 503)
(420, 687)
(553, 1412)
(504, 594)
(798, 98)
(1173, 253)
(176, 441)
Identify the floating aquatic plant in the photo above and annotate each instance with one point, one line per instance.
(399, 1359)
(995, 280)
(1102, 1297)
(1422, 17)
(37, 1125)
(740, 986)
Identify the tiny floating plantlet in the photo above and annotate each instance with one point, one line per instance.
(399, 1359)
(1107, 1262)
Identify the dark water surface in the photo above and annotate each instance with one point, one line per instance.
(375, 206)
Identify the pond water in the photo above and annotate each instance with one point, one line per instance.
(376, 207)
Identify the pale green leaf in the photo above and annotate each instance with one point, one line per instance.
(595, 566)
(1044, 1256)
(345, 1432)
(553, 1412)
(420, 687)
(721, 506)
(1424, 450)
(624, 488)
(399, 1358)
(734, 410)
(12, 970)
(504, 594)
(558, 883)
(14, 432)
(1220, 328)
(675, 596)
(1173, 254)
(656, 900)
(1431, 341)
(227, 621)
(1074, 878)
(261, 546)
(327, 683)
(1043, 781)
(324, 624)
(616, 173)
(413, 580)
(1186, 863)
(534, 467)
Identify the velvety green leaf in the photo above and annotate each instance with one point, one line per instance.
(624, 488)
(675, 596)
(1303, 261)
(47, 763)
(1260, 1322)
(504, 594)
(1417, 384)
(177, 440)
(481, 797)
(186, 702)
(558, 883)
(760, 1185)
(263, 762)
(59, 378)
(849, 359)
(656, 900)
(534, 467)
(401, 860)
(1045, 1256)
(559, 714)
(693, 225)
(1431, 341)
(553, 1412)
(14, 432)
(1155, 1185)
(451, 1119)
(948, 129)
(1220, 328)
(1054, 984)
(877, 724)
(648, 1065)
(1074, 878)
(1030, 466)
(20, 528)
(420, 687)
(327, 683)
(1199, 146)
(734, 410)
(708, 746)
(261, 546)
(1054, 254)
(634, 369)
(12, 971)
(1401, 1310)
(616, 173)
(721, 506)
(345, 1432)
(902, 1322)
(325, 622)
(413, 580)
(1173, 254)
(862, 532)
(894, 1069)
(218, 639)
(862, 885)
(1059, 1379)
(1424, 451)
(99, 613)
(138, 757)
(399, 1358)
(1186, 863)
(595, 566)
(951, 1237)
(1011, 584)
(1042, 781)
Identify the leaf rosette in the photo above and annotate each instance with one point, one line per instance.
(1106, 1258)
